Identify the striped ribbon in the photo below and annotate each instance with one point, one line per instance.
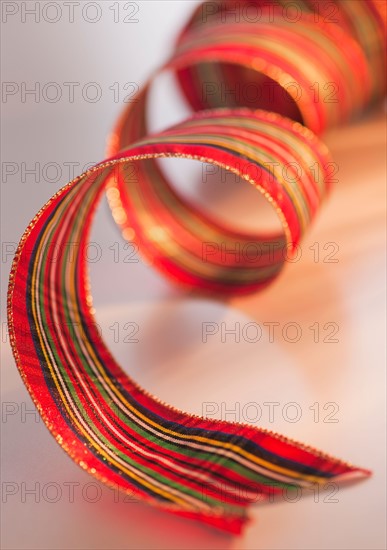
(198, 468)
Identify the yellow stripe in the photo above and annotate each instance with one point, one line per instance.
(69, 410)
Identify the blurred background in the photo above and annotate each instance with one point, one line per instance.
(322, 323)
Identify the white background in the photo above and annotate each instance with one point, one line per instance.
(170, 359)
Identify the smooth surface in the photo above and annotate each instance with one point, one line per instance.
(170, 359)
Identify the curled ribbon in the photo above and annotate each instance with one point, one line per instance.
(110, 426)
